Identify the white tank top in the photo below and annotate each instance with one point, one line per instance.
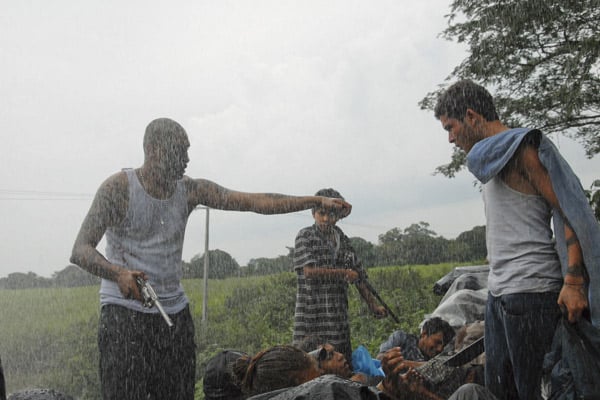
(520, 244)
(149, 239)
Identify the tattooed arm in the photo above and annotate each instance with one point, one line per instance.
(202, 191)
(572, 295)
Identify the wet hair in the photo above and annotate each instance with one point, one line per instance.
(435, 325)
(219, 382)
(328, 192)
(464, 94)
(274, 368)
(162, 132)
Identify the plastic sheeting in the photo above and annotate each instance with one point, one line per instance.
(326, 387)
(465, 297)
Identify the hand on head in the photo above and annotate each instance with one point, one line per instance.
(341, 207)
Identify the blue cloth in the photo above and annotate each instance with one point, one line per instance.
(574, 361)
(487, 158)
(362, 362)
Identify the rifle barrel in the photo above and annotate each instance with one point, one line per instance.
(387, 308)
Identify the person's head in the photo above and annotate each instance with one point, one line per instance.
(275, 368)
(166, 148)
(219, 382)
(462, 96)
(326, 218)
(435, 335)
(464, 109)
(331, 361)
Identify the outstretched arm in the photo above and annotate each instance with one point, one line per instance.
(208, 193)
(107, 209)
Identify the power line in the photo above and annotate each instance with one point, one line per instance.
(38, 195)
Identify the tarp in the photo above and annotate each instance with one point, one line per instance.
(39, 394)
(464, 300)
(444, 283)
(326, 387)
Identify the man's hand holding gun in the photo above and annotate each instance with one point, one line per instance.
(151, 299)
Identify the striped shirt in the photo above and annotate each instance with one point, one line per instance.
(322, 303)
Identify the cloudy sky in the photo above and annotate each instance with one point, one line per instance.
(276, 96)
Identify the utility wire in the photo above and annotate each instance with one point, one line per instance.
(38, 195)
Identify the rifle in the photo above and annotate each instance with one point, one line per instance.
(374, 293)
(363, 279)
(151, 299)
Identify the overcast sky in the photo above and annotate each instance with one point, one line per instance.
(276, 96)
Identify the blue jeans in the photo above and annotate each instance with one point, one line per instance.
(518, 333)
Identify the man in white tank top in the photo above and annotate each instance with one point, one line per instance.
(143, 213)
(525, 283)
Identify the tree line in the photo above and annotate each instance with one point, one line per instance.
(417, 244)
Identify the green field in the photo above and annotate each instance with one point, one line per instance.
(49, 335)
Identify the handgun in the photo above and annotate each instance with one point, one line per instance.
(151, 299)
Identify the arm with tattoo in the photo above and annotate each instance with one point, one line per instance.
(572, 295)
(202, 191)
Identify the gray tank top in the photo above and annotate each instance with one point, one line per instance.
(520, 242)
(150, 239)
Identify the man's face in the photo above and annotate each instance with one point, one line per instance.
(333, 362)
(463, 134)
(431, 345)
(173, 157)
(325, 219)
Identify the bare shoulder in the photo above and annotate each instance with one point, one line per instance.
(114, 187)
(111, 200)
(524, 171)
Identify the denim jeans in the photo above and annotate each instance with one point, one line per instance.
(518, 333)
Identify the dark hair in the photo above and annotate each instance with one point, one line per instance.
(435, 325)
(219, 381)
(328, 192)
(162, 131)
(271, 369)
(455, 100)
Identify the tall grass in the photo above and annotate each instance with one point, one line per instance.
(48, 336)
